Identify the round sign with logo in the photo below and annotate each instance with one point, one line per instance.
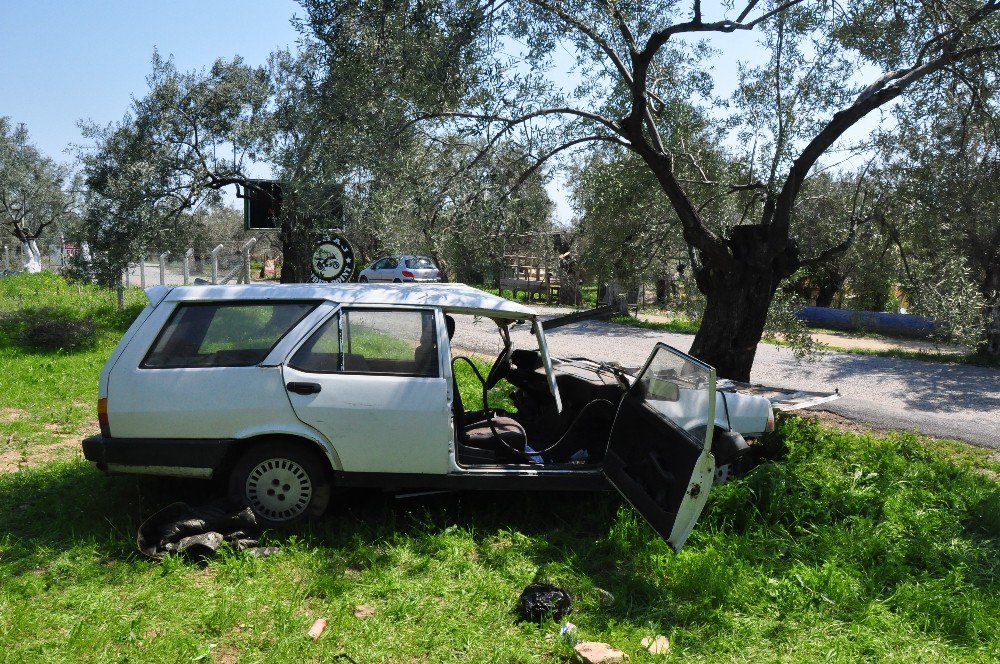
(332, 259)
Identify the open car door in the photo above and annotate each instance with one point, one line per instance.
(659, 453)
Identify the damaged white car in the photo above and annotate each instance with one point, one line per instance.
(290, 390)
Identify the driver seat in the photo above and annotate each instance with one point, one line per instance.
(483, 442)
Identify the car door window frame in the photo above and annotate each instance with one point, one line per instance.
(341, 370)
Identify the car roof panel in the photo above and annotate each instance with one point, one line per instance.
(453, 298)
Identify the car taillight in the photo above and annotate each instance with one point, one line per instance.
(438, 275)
(770, 420)
(102, 417)
(407, 274)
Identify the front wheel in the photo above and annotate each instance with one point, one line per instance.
(363, 279)
(284, 484)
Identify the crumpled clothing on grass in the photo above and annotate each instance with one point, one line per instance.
(198, 532)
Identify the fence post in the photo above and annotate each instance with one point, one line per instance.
(121, 294)
(142, 272)
(245, 249)
(187, 265)
(6, 258)
(163, 267)
(215, 264)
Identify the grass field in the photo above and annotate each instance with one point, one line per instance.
(838, 547)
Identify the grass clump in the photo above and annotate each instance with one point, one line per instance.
(49, 328)
(680, 324)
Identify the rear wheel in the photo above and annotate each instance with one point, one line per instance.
(283, 483)
(397, 281)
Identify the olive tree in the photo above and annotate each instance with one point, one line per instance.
(830, 65)
(945, 174)
(190, 136)
(35, 192)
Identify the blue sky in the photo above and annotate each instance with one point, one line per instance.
(65, 61)
(61, 62)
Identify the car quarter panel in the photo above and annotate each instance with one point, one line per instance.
(209, 402)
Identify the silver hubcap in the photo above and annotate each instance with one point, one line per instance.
(279, 489)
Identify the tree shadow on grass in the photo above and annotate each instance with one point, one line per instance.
(67, 504)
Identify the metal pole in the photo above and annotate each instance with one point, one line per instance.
(128, 276)
(6, 258)
(163, 267)
(246, 258)
(187, 267)
(142, 272)
(215, 264)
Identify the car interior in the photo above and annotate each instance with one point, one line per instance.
(536, 434)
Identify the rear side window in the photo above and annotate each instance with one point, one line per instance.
(223, 334)
(372, 342)
(420, 263)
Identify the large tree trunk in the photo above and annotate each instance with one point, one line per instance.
(828, 291)
(296, 251)
(32, 257)
(739, 291)
(733, 322)
(990, 289)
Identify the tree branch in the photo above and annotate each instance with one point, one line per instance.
(591, 33)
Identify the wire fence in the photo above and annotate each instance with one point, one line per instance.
(228, 261)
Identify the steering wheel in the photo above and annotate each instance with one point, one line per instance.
(501, 367)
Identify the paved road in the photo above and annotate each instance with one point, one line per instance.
(942, 400)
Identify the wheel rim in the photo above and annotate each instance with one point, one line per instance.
(279, 489)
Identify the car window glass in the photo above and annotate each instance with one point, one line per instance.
(420, 263)
(677, 389)
(379, 264)
(391, 263)
(372, 342)
(223, 334)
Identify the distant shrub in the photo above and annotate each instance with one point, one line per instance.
(49, 328)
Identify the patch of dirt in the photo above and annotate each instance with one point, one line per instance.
(13, 460)
(860, 342)
(226, 654)
(11, 414)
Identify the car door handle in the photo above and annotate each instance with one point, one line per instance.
(304, 388)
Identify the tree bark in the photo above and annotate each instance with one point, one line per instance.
(32, 257)
(828, 291)
(737, 303)
(296, 245)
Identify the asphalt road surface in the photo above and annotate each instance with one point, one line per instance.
(936, 399)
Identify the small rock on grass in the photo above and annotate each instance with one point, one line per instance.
(592, 652)
(364, 611)
(656, 645)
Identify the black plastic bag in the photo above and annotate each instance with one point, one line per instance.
(542, 600)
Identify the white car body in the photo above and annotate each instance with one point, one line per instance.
(339, 412)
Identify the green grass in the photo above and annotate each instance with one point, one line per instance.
(46, 395)
(837, 547)
(681, 324)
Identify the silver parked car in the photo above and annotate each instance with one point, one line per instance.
(401, 269)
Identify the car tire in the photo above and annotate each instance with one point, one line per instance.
(363, 279)
(397, 281)
(283, 483)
